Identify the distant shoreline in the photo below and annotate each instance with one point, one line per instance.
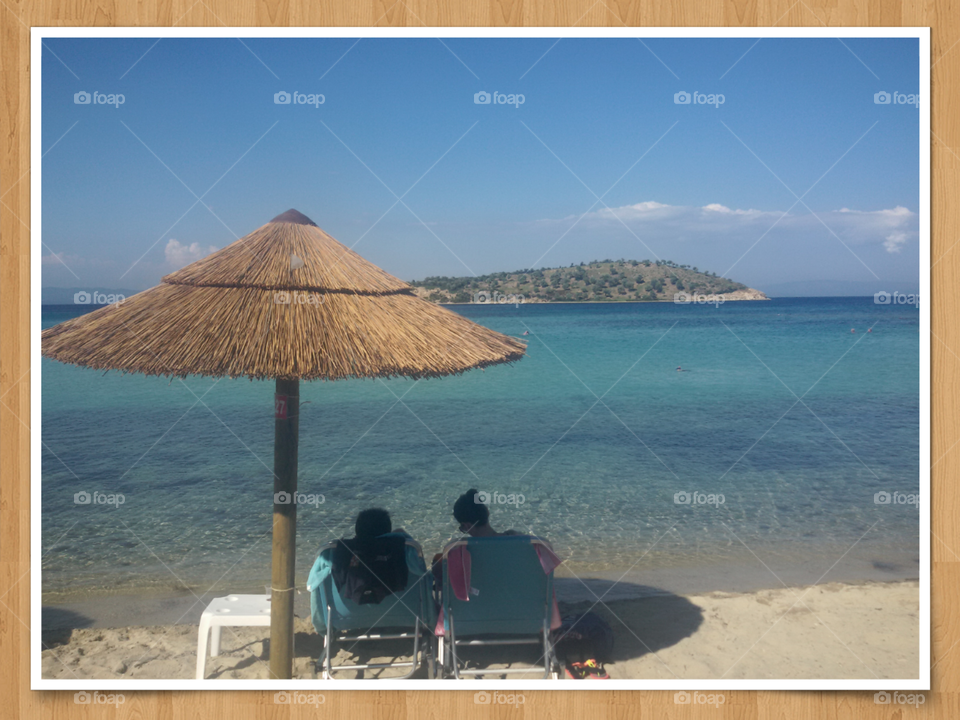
(544, 302)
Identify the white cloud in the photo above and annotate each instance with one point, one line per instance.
(717, 207)
(890, 228)
(895, 241)
(179, 255)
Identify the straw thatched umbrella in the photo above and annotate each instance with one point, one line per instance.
(286, 302)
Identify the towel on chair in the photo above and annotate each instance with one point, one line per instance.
(368, 571)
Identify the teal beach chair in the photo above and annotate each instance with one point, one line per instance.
(510, 603)
(405, 615)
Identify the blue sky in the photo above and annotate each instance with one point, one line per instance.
(488, 187)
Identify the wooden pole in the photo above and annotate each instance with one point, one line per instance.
(286, 441)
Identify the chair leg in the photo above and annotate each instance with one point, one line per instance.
(550, 662)
(418, 650)
(440, 655)
(215, 640)
(454, 663)
(431, 658)
(321, 663)
(202, 647)
(328, 651)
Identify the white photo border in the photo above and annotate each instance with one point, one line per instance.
(38, 34)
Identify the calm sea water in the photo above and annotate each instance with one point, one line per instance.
(595, 429)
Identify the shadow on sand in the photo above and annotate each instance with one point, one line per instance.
(644, 620)
(58, 624)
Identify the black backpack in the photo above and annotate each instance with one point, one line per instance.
(368, 571)
(584, 637)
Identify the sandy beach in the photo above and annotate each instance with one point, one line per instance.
(834, 630)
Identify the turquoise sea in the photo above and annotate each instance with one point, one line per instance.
(797, 422)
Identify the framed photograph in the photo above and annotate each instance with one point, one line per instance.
(480, 358)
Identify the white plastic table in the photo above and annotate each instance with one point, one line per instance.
(230, 611)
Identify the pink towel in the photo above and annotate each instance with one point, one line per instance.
(548, 559)
(458, 567)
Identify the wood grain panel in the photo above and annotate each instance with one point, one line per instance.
(16, 16)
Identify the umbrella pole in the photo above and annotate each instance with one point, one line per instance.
(286, 440)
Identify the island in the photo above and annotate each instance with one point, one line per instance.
(596, 281)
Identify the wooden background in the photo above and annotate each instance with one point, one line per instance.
(17, 16)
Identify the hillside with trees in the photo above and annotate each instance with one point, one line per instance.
(603, 281)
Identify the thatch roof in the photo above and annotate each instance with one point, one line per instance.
(285, 301)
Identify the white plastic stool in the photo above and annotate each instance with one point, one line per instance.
(230, 611)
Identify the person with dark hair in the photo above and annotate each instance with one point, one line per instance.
(474, 516)
(372, 523)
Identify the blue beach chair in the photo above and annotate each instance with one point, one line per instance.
(405, 615)
(510, 603)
